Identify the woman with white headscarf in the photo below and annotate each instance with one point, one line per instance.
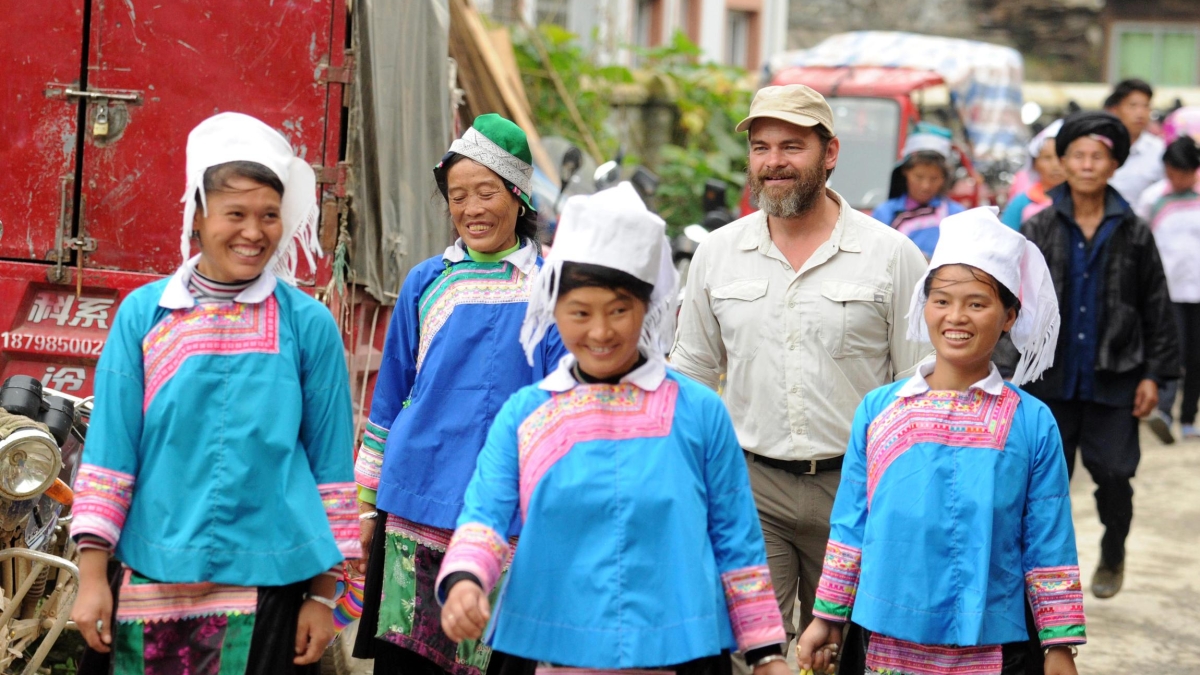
(216, 469)
(640, 543)
(954, 506)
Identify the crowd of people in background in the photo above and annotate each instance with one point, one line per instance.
(873, 420)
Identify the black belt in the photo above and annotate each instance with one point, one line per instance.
(805, 467)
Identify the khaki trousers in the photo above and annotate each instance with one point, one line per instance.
(794, 512)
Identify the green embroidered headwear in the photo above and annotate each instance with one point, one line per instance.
(501, 146)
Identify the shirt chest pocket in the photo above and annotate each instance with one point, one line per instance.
(854, 319)
(740, 307)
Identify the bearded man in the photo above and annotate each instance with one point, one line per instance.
(801, 306)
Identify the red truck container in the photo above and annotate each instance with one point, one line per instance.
(98, 98)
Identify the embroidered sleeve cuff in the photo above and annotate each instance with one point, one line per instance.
(341, 506)
(753, 609)
(102, 499)
(84, 542)
(1056, 596)
(370, 456)
(1062, 635)
(831, 611)
(839, 582)
(478, 549)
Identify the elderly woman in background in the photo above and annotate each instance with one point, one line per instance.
(1049, 173)
(451, 358)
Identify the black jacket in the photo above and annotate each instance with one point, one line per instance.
(1138, 337)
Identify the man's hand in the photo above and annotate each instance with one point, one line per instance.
(92, 612)
(466, 612)
(1146, 398)
(816, 650)
(1060, 662)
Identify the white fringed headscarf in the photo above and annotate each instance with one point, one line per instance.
(612, 228)
(978, 238)
(233, 137)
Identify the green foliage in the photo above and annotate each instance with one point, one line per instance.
(708, 100)
(592, 85)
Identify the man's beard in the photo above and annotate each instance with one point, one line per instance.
(800, 198)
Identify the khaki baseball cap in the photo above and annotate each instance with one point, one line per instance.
(793, 103)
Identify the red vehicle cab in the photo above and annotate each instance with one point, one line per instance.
(99, 99)
(873, 111)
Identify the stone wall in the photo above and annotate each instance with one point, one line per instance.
(1061, 39)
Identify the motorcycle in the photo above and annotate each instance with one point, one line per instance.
(42, 432)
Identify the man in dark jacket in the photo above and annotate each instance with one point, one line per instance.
(1118, 339)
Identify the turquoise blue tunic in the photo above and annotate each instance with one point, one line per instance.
(953, 508)
(220, 449)
(641, 545)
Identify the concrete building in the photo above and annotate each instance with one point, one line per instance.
(742, 33)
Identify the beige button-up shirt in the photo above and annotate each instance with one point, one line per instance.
(799, 349)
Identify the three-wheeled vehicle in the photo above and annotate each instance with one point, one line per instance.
(881, 84)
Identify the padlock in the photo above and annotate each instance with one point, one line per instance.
(100, 126)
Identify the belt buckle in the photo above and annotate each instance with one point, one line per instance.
(812, 467)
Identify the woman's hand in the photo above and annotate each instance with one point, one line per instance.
(817, 648)
(314, 632)
(92, 612)
(1059, 661)
(773, 668)
(366, 535)
(466, 612)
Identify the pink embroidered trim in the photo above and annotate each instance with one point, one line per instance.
(890, 656)
(975, 419)
(369, 464)
(589, 413)
(102, 499)
(166, 602)
(839, 577)
(478, 549)
(341, 506)
(1056, 596)
(207, 329)
(430, 537)
(753, 610)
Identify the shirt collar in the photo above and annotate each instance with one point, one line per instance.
(524, 258)
(844, 235)
(649, 376)
(992, 384)
(1115, 205)
(177, 296)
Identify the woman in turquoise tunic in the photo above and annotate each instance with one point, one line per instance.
(640, 544)
(954, 506)
(216, 469)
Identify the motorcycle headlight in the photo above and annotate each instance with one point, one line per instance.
(29, 463)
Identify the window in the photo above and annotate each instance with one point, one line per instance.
(689, 19)
(1162, 54)
(737, 39)
(553, 11)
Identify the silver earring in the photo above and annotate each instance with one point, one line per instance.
(521, 213)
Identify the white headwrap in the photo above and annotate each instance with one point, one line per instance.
(978, 238)
(1047, 134)
(925, 141)
(612, 228)
(232, 137)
